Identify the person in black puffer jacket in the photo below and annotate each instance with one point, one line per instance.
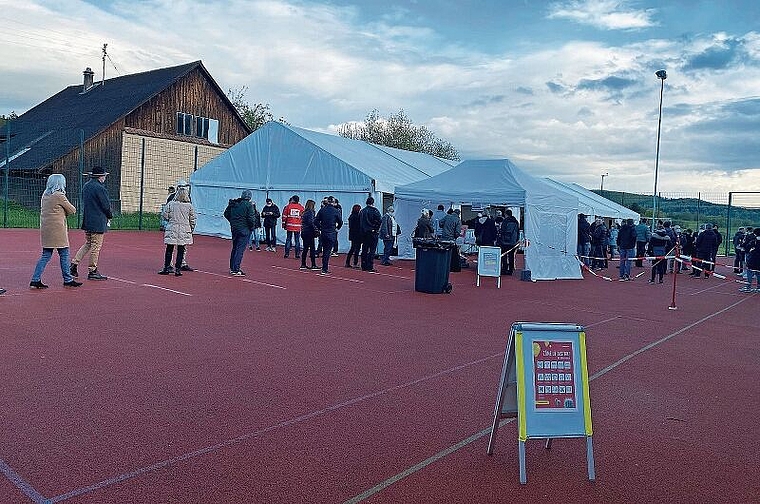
(706, 242)
(239, 213)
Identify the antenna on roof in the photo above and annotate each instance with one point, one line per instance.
(105, 54)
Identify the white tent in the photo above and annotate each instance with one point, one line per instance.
(551, 222)
(592, 204)
(278, 161)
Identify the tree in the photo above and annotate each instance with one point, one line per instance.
(398, 131)
(254, 116)
(5, 118)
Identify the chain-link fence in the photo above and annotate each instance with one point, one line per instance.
(141, 165)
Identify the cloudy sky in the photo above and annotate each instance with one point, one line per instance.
(565, 89)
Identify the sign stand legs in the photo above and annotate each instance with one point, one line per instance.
(523, 475)
(590, 459)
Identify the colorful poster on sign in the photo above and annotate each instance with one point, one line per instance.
(554, 375)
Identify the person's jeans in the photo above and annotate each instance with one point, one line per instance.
(641, 251)
(369, 247)
(239, 240)
(387, 247)
(254, 239)
(92, 244)
(584, 250)
(271, 236)
(47, 253)
(328, 240)
(625, 264)
(288, 245)
(753, 274)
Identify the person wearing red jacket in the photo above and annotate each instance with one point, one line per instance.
(291, 223)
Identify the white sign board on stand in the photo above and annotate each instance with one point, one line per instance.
(489, 263)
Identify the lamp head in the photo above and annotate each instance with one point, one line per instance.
(661, 74)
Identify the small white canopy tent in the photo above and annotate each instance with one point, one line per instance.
(278, 161)
(592, 204)
(551, 215)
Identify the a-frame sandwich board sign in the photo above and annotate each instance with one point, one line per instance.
(544, 382)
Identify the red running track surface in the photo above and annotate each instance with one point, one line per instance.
(289, 387)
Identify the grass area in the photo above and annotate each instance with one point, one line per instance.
(17, 216)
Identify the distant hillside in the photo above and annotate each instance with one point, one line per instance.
(691, 211)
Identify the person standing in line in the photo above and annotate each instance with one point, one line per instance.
(660, 241)
(182, 184)
(54, 233)
(96, 218)
(389, 229)
(424, 229)
(687, 248)
(626, 243)
(584, 239)
(370, 221)
(335, 245)
(738, 251)
(509, 235)
(705, 244)
(751, 243)
(328, 221)
(719, 239)
(254, 240)
(643, 234)
(180, 217)
(308, 234)
(437, 220)
(270, 213)
(239, 213)
(614, 228)
(291, 223)
(169, 196)
(450, 231)
(354, 236)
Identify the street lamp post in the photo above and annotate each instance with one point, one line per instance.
(601, 186)
(662, 75)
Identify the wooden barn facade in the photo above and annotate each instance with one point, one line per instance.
(148, 130)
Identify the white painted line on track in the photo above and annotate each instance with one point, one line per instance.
(316, 272)
(166, 289)
(485, 432)
(242, 279)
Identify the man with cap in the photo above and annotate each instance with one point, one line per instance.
(96, 218)
(239, 213)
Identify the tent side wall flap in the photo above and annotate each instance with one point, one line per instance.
(551, 221)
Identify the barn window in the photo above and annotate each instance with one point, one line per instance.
(184, 123)
(207, 128)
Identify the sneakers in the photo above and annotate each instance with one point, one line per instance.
(72, 283)
(237, 273)
(95, 275)
(166, 271)
(303, 267)
(651, 282)
(258, 249)
(324, 272)
(37, 285)
(178, 272)
(746, 289)
(250, 247)
(73, 270)
(186, 267)
(2, 291)
(334, 254)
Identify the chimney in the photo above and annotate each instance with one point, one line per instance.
(88, 79)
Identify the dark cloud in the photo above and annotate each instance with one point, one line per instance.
(487, 100)
(716, 57)
(611, 84)
(555, 88)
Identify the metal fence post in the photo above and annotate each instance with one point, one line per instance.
(7, 170)
(81, 177)
(142, 182)
(728, 223)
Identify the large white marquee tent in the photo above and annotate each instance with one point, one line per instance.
(551, 215)
(278, 161)
(592, 204)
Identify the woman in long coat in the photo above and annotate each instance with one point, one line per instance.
(54, 233)
(180, 217)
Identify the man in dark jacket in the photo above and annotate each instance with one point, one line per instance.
(270, 213)
(584, 239)
(509, 235)
(370, 221)
(328, 221)
(239, 213)
(95, 221)
(705, 243)
(626, 242)
(738, 251)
